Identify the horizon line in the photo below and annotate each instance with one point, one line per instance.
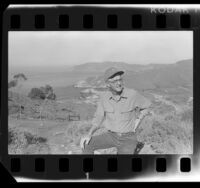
(99, 62)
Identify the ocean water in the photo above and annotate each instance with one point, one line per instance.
(56, 80)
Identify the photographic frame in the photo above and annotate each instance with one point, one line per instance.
(149, 23)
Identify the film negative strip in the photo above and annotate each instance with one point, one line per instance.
(69, 70)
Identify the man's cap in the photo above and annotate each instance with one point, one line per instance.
(112, 72)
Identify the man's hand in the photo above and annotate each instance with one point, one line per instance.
(139, 119)
(137, 122)
(85, 140)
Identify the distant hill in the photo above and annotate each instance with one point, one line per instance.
(178, 74)
(145, 76)
(101, 67)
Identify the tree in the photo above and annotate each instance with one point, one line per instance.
(42, 93)
(36, 93)
(18, 81)
(20, 76)
(45, 93)
(49, 95)
(12, 83)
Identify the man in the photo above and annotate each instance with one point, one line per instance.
(120, 110)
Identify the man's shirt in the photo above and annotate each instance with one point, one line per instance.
(120, 115)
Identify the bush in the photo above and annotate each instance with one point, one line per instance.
(42, 93)
(12, 83)
(36, 93)
(52, 96)
(19, 141)
(20, 75)
(187, 115)
(167, 135)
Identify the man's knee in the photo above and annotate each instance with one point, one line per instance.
(88, 149)
(129, 149)
(125, 151)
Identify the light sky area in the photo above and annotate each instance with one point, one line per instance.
(54, 48)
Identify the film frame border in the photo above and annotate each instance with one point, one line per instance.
(92, 19)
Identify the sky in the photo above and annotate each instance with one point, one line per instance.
(60, 48)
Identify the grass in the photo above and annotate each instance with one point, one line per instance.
(172, 135)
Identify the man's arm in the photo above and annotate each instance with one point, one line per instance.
(143, 104)
(97, 119)
(96, 123)
(141, 116)
(94, 128)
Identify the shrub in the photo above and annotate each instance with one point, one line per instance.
(187, 115)
(52, 96)
(12, 83)
(33, 139)
(42, 93)
(19, 141)
(17, 77)
(20, 75)
(36, 93)
(167, 135)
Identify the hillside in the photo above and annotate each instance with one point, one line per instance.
(102, 66)
(144, 77)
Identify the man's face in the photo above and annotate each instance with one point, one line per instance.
(116, 83)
